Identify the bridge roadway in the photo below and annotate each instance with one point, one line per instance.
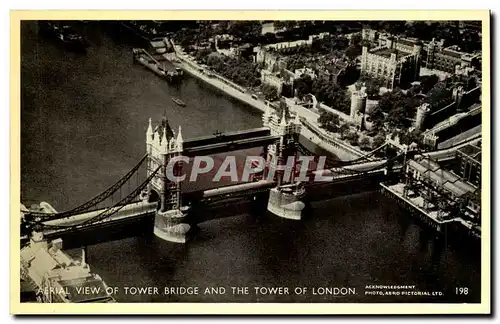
(223, 142)
(446, 154)
(138, 210)
(129, 211)
(227, 146)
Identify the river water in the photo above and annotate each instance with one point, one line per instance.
(83, 123)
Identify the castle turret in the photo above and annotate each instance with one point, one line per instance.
(422, 112)
(164, 141)
(389, 42)
(283, 119)
(179, 140)
(268, 114)
(358, 103)
(149, 133)
(457, 93)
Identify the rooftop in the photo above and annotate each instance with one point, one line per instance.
(444, 178)
(450, 51)
(287, 75)
(471, 151)
(409, 42)
(386, 52)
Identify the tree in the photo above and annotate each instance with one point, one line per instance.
(364, 143)
(335, 119)
(409, 137)
(202, 55)
(394, 27)
(439, 95)
(378, 141)
(329, 121)
(353, 51)
(377, 117)
(331, 94)
(399, 118)
(285, 24)
(303, 85)
(414, 90)
(399, 107)
(324, 117)
(343, 129)
(372, 88)
(246, 30)
(270, 92)
(356, 39)
(352, 138)
(427, 82)
(215, 60)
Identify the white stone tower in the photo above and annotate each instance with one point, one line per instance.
(288, 129)
(422, 112)
(358, 102)
(285, 198)
(163, 145)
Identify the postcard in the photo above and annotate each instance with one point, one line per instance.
(260, 162)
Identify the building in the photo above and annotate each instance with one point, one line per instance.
(464, 70)
(283, 45)
(457, 124)
(338, 70)
(270, 60)
(268, 28)
(469, 164)
(369, 34)
(399, 43)
(442, 189)
(279, 80)
(305, 71)
(392, 63)
(438, 57)
(434, 56)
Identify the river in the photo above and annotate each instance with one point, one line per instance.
(83, 123)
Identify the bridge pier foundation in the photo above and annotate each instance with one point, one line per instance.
(286, 202)
(170, 226)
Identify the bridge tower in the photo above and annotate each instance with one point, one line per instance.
(162, 146)
(281, 163)
(394, 148)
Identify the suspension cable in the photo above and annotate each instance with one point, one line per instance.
(110, 211)
(94, 201)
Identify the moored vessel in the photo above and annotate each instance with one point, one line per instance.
(178, 101)
(65, 34)
(55, 277)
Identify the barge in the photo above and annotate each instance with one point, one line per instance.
(52, 276)
(179, 102)
(64, 34)
(142, 57)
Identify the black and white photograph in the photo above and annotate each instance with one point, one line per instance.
(253, 161)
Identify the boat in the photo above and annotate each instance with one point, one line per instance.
(65, 34)
(146, 59)
(179, 101)
(71, 39)
(49, 275)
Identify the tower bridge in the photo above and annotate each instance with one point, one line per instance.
(158, 203)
